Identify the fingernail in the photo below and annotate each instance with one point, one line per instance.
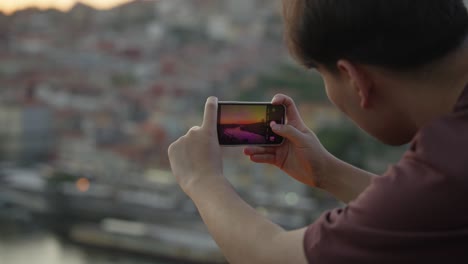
(213, 98)
(275, 126)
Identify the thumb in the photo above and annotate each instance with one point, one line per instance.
(211, 114)
(289, 132)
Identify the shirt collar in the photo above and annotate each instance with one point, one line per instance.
(462, 103)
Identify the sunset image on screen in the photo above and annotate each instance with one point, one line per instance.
(247, 124)
(241, 114)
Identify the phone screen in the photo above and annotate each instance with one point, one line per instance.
(242, 123)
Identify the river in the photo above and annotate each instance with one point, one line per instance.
(244, 136)
(46, 248)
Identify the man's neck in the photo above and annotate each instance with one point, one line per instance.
(438, 94)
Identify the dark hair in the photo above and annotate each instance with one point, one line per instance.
(396, 34)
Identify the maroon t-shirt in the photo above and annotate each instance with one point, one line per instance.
(417, 212)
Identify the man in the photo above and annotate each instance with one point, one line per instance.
(399, 69)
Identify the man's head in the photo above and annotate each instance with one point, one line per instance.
(367, 49)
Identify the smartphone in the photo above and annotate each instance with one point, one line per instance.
(248, 123)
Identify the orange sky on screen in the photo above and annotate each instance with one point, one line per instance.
(9, 6)
(242, 115)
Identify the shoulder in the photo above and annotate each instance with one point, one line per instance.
(422, 197)
(425, 188)
(443, 144)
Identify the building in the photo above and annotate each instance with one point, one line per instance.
(26, 133)
(241, 10)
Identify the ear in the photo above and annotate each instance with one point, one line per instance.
(359, 79)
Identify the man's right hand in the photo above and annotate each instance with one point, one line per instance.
(302, 156)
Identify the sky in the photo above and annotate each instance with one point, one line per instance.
(235, 114)
(9, 6)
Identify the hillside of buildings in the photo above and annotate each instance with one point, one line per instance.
(91, 99)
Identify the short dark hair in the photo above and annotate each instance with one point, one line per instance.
(396, 34)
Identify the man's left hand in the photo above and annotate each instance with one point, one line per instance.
(196, 157)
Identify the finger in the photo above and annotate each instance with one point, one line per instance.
(289, 132)
(263, 158)
(211, 114)
(193, 130)
(292, 113)
(259, 150)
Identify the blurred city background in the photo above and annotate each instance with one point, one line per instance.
(91, 98)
